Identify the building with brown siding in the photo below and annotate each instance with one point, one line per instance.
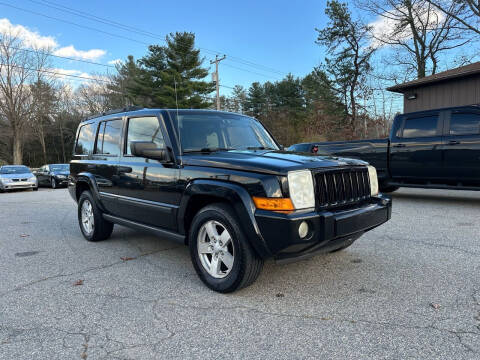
(456, 87)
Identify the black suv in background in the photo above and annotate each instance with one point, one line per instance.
(218, 182)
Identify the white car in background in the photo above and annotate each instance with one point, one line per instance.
(17, 177)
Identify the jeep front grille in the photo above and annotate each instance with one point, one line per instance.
(339, 187)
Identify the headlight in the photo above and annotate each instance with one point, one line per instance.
(372, 175)
(61, 176)
(32, 179)
(300, 184)
(5, 181)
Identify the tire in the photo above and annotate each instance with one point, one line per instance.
(53, 183)
(239, 265)
(35, 188)
(388, 189)
(100, 228)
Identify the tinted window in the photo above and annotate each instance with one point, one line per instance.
(144, 129)
(420, 127)
(86, 137)
(464, 123)
(108, 140)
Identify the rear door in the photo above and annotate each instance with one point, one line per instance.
(148, 191)
(106, 156)
(416, 148)
(462, 146)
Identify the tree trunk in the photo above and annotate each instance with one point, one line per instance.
(17, 148)
(62, 141)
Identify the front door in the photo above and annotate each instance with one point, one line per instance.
(462, 147)
(147, 189)
(416, 149)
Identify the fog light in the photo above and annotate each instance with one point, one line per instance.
(303, 230)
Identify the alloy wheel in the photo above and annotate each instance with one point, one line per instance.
(215, 249)
(88, 221)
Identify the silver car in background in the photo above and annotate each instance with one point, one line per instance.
(17, 177)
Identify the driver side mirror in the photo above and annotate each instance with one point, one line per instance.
(149, 150)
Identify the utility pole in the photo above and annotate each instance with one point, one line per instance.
(215, 76)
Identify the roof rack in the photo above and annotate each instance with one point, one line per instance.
(115, 111)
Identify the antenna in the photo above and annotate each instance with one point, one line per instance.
(178, 120)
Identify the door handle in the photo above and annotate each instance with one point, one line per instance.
(453, 142)
(399, 145)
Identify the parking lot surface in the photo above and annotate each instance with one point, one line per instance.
(408, 289)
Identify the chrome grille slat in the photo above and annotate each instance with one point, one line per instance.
(345, 186)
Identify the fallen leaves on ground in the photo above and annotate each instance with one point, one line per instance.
(78, 282)
(126, 258)
(24, 235)
(435, 306)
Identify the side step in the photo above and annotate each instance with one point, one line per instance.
(157, 231)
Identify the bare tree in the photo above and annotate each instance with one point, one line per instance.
(348, 64)
(18, 69)
(466, 12)
(417, 30)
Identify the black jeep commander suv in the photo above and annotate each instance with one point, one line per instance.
(219, 183)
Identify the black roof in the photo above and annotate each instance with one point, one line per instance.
(140, 110)
(462, 71)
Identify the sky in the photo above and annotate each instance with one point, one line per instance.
(263, 40)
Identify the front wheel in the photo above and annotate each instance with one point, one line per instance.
(221, 254)
(53, 183)
(92, 224)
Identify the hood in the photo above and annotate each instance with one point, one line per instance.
(16, 176)
(66, 173)
(269, 162)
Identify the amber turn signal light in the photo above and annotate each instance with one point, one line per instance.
(274, 204)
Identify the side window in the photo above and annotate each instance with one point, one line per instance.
(85, 140)
(144, 129)
(420, 127)
(464, 123)
(108, 139)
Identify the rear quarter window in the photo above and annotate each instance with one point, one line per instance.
(85, 140)
(465, 123)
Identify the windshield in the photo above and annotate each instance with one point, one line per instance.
(60, 167)
(14, 170)
(203, 131)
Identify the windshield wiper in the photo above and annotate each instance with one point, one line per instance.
(207, 150)
(259, 148)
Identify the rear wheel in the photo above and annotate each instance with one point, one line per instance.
(221, 254)
(92, 224)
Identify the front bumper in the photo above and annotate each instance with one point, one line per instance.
(61, 181)
(328, 230)
(18, 185)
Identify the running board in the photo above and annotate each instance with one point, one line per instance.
(433, 186)
(157, 231)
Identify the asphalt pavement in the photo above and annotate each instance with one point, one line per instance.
(409, 289)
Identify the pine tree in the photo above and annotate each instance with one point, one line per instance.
(168, 74)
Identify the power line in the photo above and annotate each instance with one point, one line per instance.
(57, 73)
(112, 23)
(109, 33)
(63, 57)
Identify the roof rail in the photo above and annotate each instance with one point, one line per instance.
(115, 111)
